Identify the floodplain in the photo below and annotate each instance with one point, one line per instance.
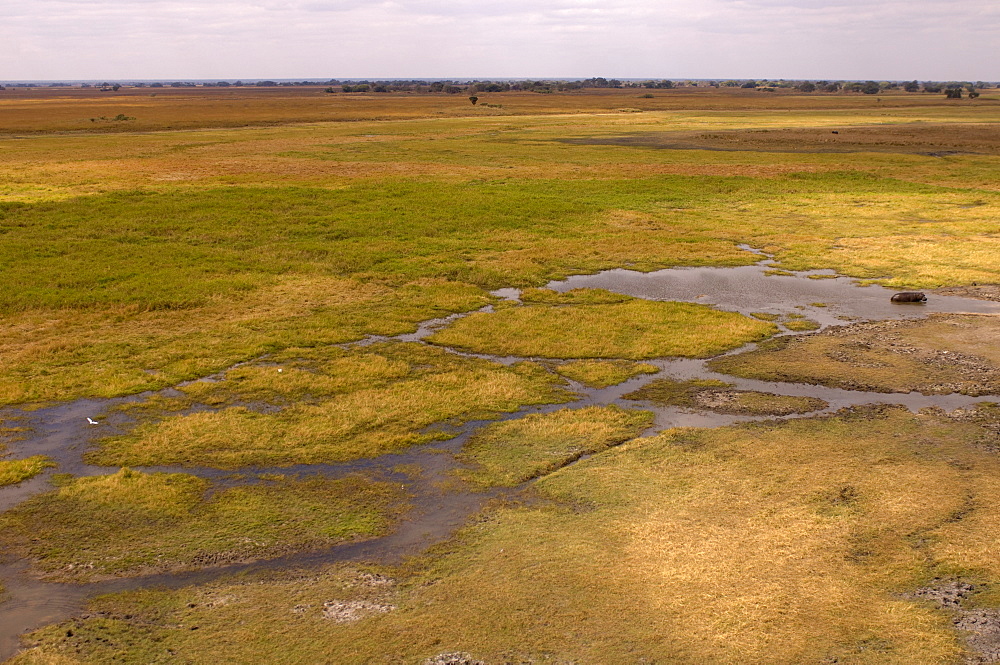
(588, 377)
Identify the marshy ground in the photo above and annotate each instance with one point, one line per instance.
(364, 395)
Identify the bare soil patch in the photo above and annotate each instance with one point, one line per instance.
(979, 291)
(938, 355)
(938, 140)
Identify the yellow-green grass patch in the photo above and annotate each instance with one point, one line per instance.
(15, 471)
(940, 354)
(130, 523)
(720, 397)
(513, 451)
(630, 329)
(340, 405)
(122, 350)
(778, 542)
(604, 373)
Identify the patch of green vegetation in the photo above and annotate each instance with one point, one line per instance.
(631, 328)
(941, 354)
(513, 451)
(572, 297)
(603, 373)
(130, 522)
(778, 273)
(801, 325)
(14, 471)
(766, 542)
(718, 396)
(338, 405)
(765, 316)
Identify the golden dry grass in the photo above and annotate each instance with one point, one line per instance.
(630, 328)
(603, 373)
(779, 543)
(513, 451)
(365, 403)
(15, 471)
(130, 523)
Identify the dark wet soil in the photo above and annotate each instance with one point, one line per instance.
(977, 291)
(980, 628)
(62, 431)
(933, 140)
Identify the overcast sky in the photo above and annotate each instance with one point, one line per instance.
(219, 39)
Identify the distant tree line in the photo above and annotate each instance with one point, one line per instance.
(952, 89)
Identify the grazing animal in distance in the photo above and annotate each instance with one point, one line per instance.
(909, 296)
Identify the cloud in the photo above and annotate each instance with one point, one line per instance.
(63, 39)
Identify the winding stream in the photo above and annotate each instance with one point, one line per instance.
(63, 433)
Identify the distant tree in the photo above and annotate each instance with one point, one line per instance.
(973, 94)
(911, 86)
(222, 84)
(473, 99)
(749, 84)
(437, 86)
(831, 87)
(930, 86)
(870, 88)
(807, 87)
(155, 85)
(116, 87)
(329, 90)
(953, 93)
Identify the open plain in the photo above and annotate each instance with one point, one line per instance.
(294, 376)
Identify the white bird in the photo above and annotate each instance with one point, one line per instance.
(280, 370)
(92, 421)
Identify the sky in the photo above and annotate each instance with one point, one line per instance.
(375, 39)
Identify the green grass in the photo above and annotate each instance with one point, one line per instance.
(603, 373)
(630, 328)
(513, 451)
(131, 523)
(134, 290)
(337, 405)
(14, 471)
(776, 542)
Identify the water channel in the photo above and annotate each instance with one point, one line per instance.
(63, 433)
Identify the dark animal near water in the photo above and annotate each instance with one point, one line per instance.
(909, 296)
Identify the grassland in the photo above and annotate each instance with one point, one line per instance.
(619, 327)
(333, 406)
(130, 522)
(791, 542)
(14, 471)
(603, 373)
(239, 233)
(514, 451)
(133, 263)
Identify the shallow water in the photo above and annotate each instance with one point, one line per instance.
(62, 432)
(749, 289)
